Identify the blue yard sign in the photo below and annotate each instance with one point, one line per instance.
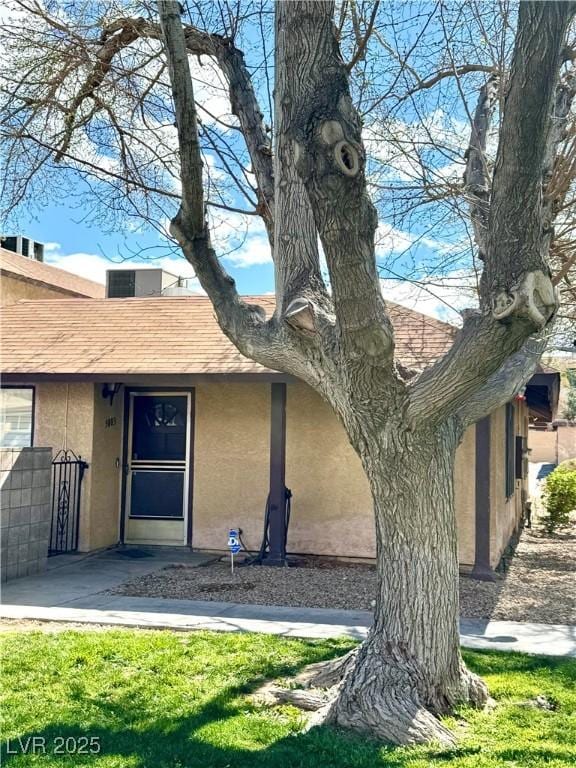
(233, 546)
(233, 541)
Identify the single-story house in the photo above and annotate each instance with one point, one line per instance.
(184, 437)
(23, 277)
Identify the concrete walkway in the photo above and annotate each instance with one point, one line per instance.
(75, 591)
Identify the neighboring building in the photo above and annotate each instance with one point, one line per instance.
(550, 440)
(184, 436)
(23, 277)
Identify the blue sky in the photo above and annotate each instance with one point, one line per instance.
(87, 249)
(415, 249)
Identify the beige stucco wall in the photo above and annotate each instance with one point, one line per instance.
(566, 435)
(505, 513)
(332, 507)
(542, 445)
(13, 290)
(465, 497)
(105, 474)
(74, 416)
(553, 445)
(231, 470)
(332, 510)
(64, 415)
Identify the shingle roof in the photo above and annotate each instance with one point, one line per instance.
(163, 335)
(23, 268)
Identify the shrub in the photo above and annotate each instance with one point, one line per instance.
(559, 496)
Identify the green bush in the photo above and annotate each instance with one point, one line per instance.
(559, 496)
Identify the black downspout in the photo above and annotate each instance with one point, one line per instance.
(277, 521)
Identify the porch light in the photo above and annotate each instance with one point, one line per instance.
(110, 390)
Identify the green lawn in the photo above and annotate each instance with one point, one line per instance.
(161, 699)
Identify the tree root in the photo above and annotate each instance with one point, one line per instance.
(325, 674)
(380, 698)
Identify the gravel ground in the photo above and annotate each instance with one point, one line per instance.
(539, 586)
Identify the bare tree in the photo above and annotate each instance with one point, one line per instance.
(404, 425)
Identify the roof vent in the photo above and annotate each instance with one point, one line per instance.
(24, 246)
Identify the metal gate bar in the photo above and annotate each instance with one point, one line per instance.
(67, 473)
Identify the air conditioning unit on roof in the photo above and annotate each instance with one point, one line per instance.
(127, 283)
(25, 246)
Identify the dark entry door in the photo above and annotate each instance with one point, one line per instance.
(158, 468)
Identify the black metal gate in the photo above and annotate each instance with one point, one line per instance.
(67, 473)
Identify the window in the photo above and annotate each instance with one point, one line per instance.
(510, 450)
(16, 417)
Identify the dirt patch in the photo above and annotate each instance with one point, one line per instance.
(538, 587)
(30, 625)
(304, 586)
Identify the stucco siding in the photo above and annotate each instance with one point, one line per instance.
(465, 497)
(332, 507)
(105, 474)
(231, 463)
(543, 445)
(566, 442)
(505, 512)
(64, 416)
(13, 290)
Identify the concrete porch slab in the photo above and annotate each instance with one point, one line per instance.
(74, 577)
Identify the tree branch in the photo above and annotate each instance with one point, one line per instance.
(517, 295)
(477, 178)
(363, 42)
(238, 320)
(505, 383)
(122, 32)
(443, 74)
(330, 159)
(116, 37)
(301, 296)
(515, 245)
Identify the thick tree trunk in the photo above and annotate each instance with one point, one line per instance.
(409, 671)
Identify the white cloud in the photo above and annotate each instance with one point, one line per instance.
(441, 297)
(391, 240)
(88, 265)
(397, 144)
(52, 248)
(238, 239)
(256, 250)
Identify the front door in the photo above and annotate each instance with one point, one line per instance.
(158, 468)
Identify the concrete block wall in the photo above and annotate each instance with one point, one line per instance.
(25, 510)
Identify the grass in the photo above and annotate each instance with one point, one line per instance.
(168, 700)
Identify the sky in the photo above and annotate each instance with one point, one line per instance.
(88, 245)
(88, 250)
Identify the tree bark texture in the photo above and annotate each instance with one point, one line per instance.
(409, 671)
(405, 429)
